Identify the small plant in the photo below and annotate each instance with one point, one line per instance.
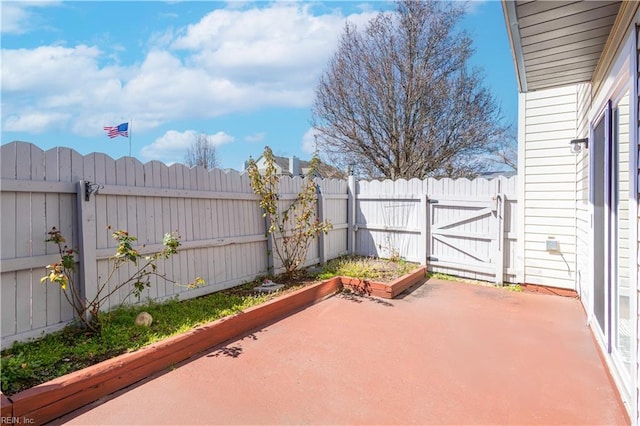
(88, 311)
(294, 227)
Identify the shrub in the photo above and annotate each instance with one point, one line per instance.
(294, 227)
(88, 311)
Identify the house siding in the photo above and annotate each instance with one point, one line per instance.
(635, 161)
(582, 215)
(623, 195)
(557, 196)
(617, 89)
(550, 188)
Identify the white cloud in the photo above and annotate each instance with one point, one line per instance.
(172, 146)
(230, 61)
(15, 18)
(283, 44)
(473, 6)
(19, 17)
(51, 69)
(309, 141)
(35, 122)
(257, 137)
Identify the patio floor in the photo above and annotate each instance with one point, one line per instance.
(445, 353)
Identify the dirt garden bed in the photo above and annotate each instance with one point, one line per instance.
(54, 398)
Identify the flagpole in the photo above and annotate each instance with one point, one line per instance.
(130, 122)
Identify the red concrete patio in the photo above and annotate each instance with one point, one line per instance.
(446, 353)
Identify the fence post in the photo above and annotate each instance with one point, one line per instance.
(500, 201)
(322, 241)
(269, 235)
(87, 242)
(351, 214)
(424, 223)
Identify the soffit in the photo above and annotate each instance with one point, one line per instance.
(557, 43)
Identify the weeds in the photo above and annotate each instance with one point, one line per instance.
(366, 268)
(28, 364)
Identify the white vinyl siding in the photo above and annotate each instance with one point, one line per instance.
(623, 191)
(582, 215)
(636, 147)
(550, 189)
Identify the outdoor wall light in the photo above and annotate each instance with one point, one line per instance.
(577, 144)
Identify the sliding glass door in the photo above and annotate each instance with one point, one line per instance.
(621, 303)
(610, 199)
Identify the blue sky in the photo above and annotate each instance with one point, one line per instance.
(242, 72)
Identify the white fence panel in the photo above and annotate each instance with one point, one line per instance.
(222, 228)
(460, 227)
(389, 218)
(333, 201)
(37, 195)
(216, 214)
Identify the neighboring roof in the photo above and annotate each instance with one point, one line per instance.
(495, 174)
(282, 162)
(324, 170)
(556, 43)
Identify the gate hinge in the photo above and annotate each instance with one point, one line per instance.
(432, 201)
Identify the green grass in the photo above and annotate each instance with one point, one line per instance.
(513, 287)
(441, 276)
(445, 277)
(28, 364)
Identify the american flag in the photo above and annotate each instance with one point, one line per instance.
(119, 130)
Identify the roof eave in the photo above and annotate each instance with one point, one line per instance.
(511, 18)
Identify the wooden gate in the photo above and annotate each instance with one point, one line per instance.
(467, 228)
(466, 237)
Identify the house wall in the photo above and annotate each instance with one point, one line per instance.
(623, 191)
(549, 189)
(583, 223)
(635, 190)
(261, 163)
(555, 187)
(619, 85)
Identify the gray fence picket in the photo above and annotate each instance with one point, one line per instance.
(217, 215)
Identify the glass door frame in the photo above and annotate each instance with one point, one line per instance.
(620, 83)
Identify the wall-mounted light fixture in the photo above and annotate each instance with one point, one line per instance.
(578, 144)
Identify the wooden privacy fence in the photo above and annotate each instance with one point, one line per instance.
(215, 212)
(466, 228)
(458, 227)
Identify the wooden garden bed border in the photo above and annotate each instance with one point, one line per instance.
(67, 393)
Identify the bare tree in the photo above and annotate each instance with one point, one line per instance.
(400, 99)
(505, 151)
(202, 152)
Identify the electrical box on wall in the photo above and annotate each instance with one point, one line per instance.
(552, 244)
